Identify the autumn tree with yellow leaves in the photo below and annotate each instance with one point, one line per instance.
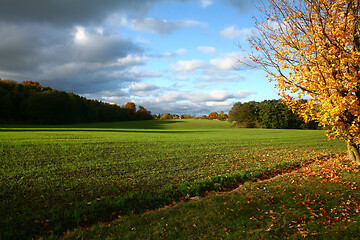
(311, 49)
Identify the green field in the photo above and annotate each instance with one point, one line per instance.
(317, 201)
(55, 178)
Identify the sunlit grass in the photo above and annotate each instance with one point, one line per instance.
(55, 178)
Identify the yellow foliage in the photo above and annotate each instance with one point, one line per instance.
(314, 51)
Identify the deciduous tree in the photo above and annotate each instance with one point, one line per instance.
(311, 49)
(213, 115)
(245, 114)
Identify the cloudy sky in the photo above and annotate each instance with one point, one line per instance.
(166, 55)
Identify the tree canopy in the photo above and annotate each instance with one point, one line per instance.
(311, 49)
(245, 114)
(267, 114)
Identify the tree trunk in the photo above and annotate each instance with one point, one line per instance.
(353, 152)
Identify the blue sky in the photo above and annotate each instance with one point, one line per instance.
(168, 56)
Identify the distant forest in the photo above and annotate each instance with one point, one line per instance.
(267, 114)
(29, 102)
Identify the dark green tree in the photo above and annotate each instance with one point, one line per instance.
(275, 114)
(245, 114)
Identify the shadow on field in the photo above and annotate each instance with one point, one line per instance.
(93, 130)
(149, 126)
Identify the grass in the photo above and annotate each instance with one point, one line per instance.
(55, 178)
(318, 202)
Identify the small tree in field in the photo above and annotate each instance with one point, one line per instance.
(311, 48)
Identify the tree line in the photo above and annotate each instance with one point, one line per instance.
(173, 116)
(211, 116)
(29, 102)
(267, 114)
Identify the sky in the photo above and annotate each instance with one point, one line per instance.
(176, 56)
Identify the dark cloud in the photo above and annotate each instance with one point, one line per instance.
(96, 47)
(55, 57)
(161, 26)
(68, 12)
(85, 78)
(61, 44)
(90, 82)
(23, 47)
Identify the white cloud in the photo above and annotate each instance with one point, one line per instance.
(80, 34)
(178, 52)
(194, 102)
(162, 99)
(217, 104)
(129, 74)
(228, 61)
(223, 63)
(131, 60)
(206, 3)
(203, 97)
(232, 32)
(151, 74)
(188, 66)
(206, 49)
(161, 26)
(220, 95)
(217, 96)
(172, 97)
(217, 77)
(140, 73)
(108, 96)
(142, 87)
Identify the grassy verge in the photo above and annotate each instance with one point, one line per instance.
(55, 178)
(321, 201)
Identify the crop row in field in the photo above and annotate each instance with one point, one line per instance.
(54, 178)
